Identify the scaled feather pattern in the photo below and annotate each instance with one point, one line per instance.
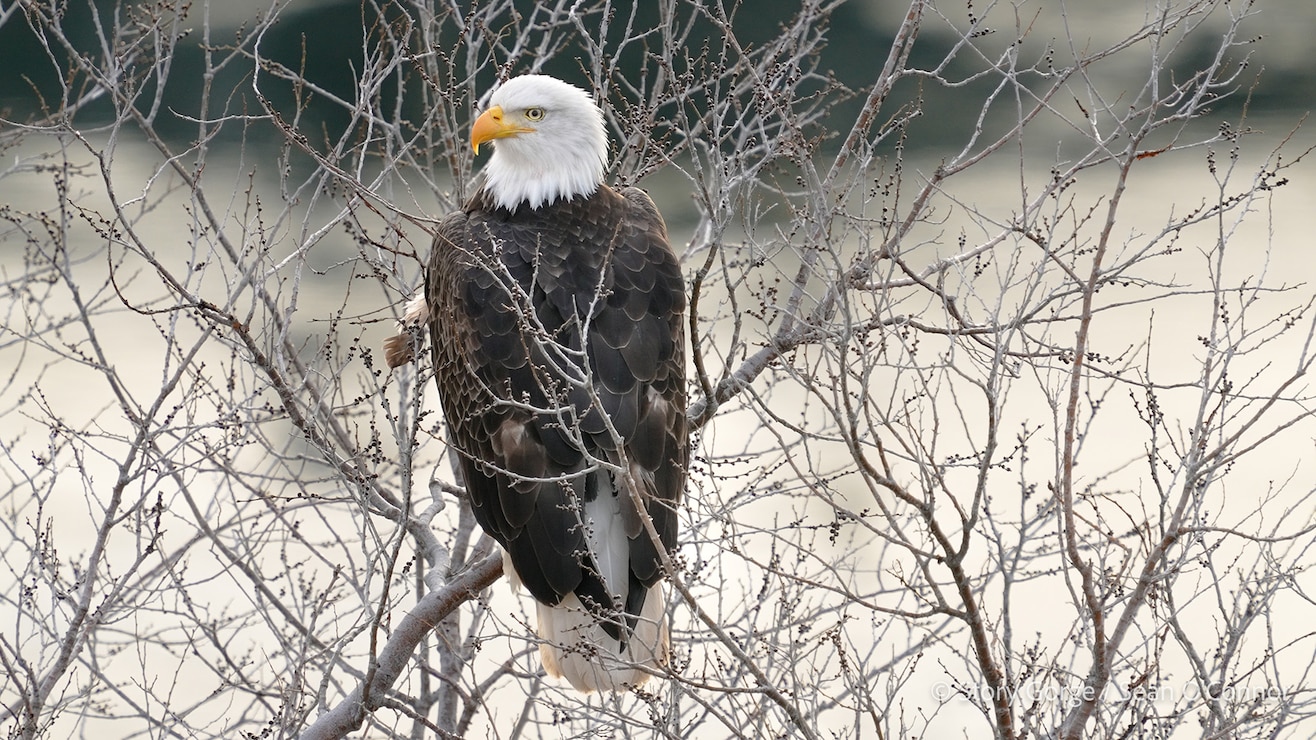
(555, 307)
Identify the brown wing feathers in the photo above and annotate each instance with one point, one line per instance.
(525, 304)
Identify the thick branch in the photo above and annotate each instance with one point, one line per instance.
(348, 715)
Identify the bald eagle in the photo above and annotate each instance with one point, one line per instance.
(555, 305)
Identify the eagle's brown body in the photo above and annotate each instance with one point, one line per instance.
(558, 351)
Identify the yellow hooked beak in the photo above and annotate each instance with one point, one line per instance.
(491, 125)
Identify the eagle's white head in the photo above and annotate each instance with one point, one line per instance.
(549, 142)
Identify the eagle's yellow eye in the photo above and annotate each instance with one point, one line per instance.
(534, 114)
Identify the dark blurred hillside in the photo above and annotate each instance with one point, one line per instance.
(326, 41)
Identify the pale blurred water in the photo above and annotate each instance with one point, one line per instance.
(1277, 241)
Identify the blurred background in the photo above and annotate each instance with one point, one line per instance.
(317, 276)
(325, 38)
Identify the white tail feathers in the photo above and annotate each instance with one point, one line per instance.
(576, 647)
